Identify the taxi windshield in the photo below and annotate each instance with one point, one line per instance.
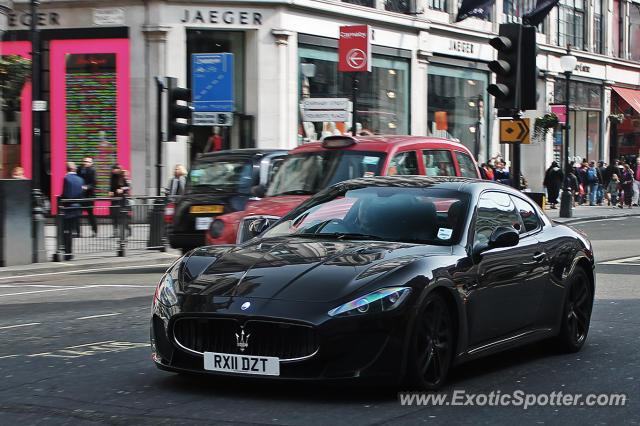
(307, 173)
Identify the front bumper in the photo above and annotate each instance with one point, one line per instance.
(348, 348)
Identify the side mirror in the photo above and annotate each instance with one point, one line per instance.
(504, 236)
(258, 191)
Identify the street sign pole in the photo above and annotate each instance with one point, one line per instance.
(354, 95)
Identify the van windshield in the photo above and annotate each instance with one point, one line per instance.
(222, 173)
(307, 173)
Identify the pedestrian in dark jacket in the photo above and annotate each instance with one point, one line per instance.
(553, 181)
(71, 189)
(627, 185)
(88, 174)
(119, 187)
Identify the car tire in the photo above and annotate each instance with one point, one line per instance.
(432, 344)
(576, 313)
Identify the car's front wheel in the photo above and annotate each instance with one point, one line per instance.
(432, 344)
(577, 312)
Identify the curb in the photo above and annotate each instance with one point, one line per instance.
(583, 219)
(146, 259)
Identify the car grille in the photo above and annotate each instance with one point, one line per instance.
(286, 341)
(245, 234)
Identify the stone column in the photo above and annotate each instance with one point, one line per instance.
(285, 100)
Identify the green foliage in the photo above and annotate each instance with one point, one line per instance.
(14, 72)
(616, 118)
(543, 124)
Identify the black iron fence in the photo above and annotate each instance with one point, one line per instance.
(108, 226)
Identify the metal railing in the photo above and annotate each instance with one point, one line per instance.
(108, 226)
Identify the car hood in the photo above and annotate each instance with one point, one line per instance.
(296, 269)
(275, 206)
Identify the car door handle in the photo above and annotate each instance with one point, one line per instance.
(539, 257)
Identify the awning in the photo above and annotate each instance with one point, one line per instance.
(632, 97)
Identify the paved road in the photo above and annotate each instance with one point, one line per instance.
(74, 350)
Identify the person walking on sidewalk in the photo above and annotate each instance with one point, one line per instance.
(612, 191)
(71, 189)
(552, 182)
(593, 180)
(177, 182)
(627, 184)
(88, 174)
(119, 188)
(636, 182)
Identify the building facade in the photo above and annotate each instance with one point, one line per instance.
(429, 77)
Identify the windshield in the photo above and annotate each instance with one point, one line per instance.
(414, 215)
(309, 172)
(221, 173)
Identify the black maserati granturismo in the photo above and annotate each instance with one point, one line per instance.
(392, 278)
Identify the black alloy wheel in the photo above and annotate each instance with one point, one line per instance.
(432, 347)
(577, 312)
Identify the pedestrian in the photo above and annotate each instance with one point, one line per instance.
(501, 174)
(18, 173)
(574, 187)
(600, 193)
(627, 185)
(119, 187)
(552, 182)
(636, 182)
(610, 170)
(593, 180)
(612, 191)
(178, 181)
(486, 171)
(88, 174)
(71, 189)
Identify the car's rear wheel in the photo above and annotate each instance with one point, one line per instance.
(432, 345)
(577, 312)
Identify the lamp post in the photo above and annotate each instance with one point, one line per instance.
(567, 63)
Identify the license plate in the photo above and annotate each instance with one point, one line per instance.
(245, 364)
(206, 209)
(203, 223)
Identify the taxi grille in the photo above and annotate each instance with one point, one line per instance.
(265, 338)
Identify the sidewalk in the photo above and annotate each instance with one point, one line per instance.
(586, 212)
(146, 258)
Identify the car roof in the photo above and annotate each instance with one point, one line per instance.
(463, 184)
(385, 143)
(248, 152)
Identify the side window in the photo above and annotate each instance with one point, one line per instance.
(404, 163)
(467, 168)
(438, 162)
(494, 209)
(274, 165)
(528, 215)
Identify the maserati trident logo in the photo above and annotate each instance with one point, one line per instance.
(242, 340)
(245, 306)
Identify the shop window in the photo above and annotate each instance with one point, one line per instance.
(457, 97)
(571, 28)
(634, 31)
(616, 40)
(383, 94)
(597, 27)
(438, 5)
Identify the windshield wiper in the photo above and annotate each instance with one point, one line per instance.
(295, 192)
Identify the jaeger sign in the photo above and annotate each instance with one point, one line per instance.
(354, 48)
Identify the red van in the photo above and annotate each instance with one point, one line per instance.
(314, 166)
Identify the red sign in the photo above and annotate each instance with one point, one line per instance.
(561, 112)
(354, 48)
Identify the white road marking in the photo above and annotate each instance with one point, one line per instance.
(624, 261)
(83, 271)
(77, 288)
(99, 316)
(19, 325)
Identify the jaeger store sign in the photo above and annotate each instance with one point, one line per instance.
(456, 47)
(222, 16)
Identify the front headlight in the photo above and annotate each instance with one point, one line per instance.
(165, 293)
(385, 299)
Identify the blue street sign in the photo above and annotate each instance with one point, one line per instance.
(212, 79)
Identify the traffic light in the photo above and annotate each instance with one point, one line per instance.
(507, 69)
(176, 110)
(528, 68)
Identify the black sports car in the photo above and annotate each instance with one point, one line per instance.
(381, 277)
